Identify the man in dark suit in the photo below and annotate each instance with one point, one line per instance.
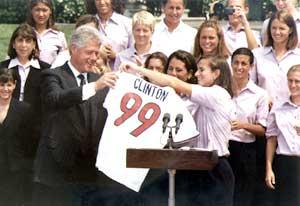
(72, 97)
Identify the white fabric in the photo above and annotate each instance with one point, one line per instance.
(111, 159)
(213, 114)
(251, 107)
(182, 37)
(51, 43)
(88, 90)
(235, 40)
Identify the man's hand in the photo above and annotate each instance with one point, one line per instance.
(108, 79)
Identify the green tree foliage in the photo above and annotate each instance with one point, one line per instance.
(67, 11)
(12, 11)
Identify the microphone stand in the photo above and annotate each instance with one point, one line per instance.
(172, 172)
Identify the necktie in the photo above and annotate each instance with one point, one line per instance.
(82, 79)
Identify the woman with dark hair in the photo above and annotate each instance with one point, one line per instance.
(291, 7)
(87, 20)
(23, 61)
(277, 56)
(251, 117)
(171, 33)
(214, 113)
(14, 126)
(182, 64)
(50, 41)
(209, 41)
(156, 61)
(115, 29)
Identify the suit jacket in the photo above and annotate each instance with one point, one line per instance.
(72, 127)
(32, 95)
(14, 132)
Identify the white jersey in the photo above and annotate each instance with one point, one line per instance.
(135, 112)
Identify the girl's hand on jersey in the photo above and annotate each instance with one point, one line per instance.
(130, 68)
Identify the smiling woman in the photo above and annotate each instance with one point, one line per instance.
(209, 41)
(50, 41)
(143, 24)
(14, 122)
(213, 108)
(277, 56)
(171, 33)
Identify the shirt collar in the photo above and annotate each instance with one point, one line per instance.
(133, 51)
(114, 18)
(228, 27)
(33, 62)
(49, 30)
(270, 49)
(163, 27)
(289, 103)
(250, 86)
(75, 71)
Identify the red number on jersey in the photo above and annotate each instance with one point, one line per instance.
(129, 110)
(147, 122)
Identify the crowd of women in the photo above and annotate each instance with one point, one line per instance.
(242, 87)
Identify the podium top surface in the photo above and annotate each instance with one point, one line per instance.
(171, 159)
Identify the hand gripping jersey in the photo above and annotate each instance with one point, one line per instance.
(135, 112)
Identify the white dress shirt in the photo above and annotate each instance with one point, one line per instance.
(281, 123)
(251, 107)
(235, 40)
(270, 73)
(88, 90)
(214, 113)
(51, 43)
(130, 55)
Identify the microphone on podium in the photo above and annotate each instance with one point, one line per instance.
(166, 120)
(178, 120)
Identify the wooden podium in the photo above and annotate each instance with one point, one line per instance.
(171, 159)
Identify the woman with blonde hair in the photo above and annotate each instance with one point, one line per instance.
(143, 24)
(209, 41)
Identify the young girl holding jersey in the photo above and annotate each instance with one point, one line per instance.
(213, 115)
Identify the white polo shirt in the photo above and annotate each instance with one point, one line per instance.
(182, 37)
(251, 107)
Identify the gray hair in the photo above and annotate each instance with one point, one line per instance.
(83, 34)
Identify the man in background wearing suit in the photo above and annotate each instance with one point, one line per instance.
(73, 119)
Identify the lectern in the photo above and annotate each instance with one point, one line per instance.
(171, 159)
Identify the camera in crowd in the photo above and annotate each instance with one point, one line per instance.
(220, 11)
